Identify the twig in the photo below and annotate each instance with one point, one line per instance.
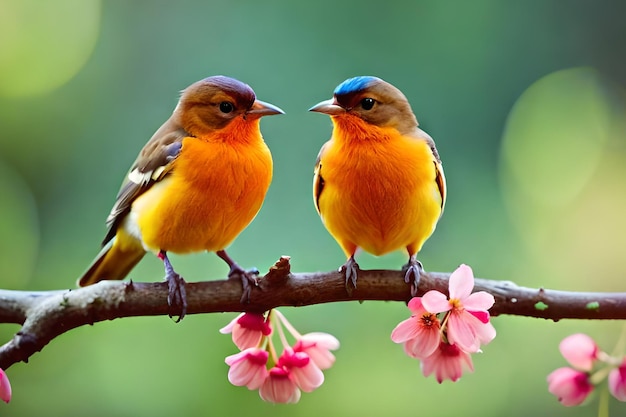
(47, 314)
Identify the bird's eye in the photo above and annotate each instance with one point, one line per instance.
(226, 107)
(367, 103)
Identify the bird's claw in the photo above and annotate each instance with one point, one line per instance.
(413, 271)
(248, 279)
(350, 270)
(176, 295)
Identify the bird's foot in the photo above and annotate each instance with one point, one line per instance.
(413, 271)
(176, 291)
(248, 279)
(350, 270)
(176, 296)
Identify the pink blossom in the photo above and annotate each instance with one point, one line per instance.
(617, 382)
(447, 362)
(569, 385)
(279, 388)
(298, 369)
(302, 370)
(248, 329)
(468, 324)
(5, 387)
(419, 333)
(318, 346)
(247, 368)
(580, 351)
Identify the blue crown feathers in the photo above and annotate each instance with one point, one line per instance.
(352, 85)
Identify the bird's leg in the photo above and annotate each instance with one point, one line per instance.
(177, 295)
(413, 270)
(247, 277)
(350, 270)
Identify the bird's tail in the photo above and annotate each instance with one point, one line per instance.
(114, 261)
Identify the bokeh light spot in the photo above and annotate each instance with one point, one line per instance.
(44, 44)
(562, 171)
(555, 136)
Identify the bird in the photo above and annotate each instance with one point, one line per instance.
(378, 182)
(196, 184)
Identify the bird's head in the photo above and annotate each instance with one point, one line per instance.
(213, 103)
(371, 99)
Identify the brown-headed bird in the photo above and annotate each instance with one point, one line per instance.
(378, 183)
(196, 184)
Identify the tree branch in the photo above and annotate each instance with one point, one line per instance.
(47, 314)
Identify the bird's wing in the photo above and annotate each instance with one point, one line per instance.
(441, 184)
(440, 178)
(153, 164)
(318, 180)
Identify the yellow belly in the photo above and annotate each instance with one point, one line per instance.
(213, 192)
(380, 197)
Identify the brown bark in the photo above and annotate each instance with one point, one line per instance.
(47, 314)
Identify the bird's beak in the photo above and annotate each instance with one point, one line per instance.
(261, 108)
(328, 107)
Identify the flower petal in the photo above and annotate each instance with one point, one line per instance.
(255, 322)
(416, 307)
(483, 316)
(570, 386)
(479, 301)
(461, 331)
(485, 332)
(423, 346)
(5, 387)
(279, 388)
(247, 368)
(307, 378)
(435, 302)
(461, 282)
(617, 382)
(302, 370)
(229, 327)
(447, 362)
(325, 340)
(406, 330)
(245, 339)
(579, 350)
(318, 346)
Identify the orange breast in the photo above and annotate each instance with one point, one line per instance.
(214, 191)
(379, 195)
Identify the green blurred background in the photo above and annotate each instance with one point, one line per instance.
(525, 100)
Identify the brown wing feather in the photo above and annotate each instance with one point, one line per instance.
(441, 184)
(152, 164)
(318, 180)
(440, 178)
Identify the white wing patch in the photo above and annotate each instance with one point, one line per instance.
(143, 178)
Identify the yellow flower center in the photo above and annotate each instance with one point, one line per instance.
(456, 304)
